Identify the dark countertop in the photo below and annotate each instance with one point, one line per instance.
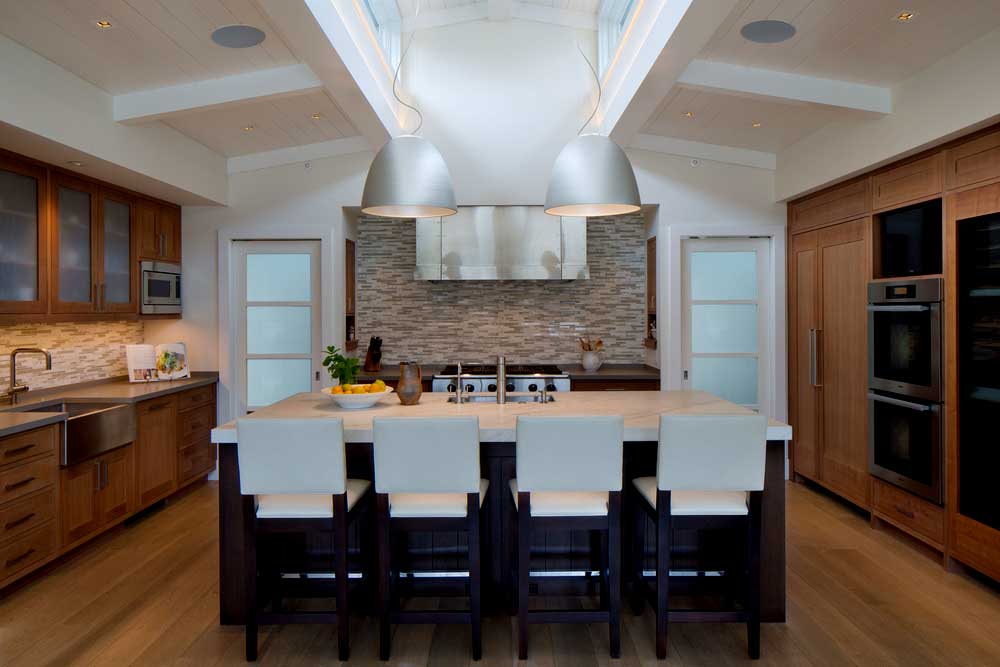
(117, 390)
(613, 372)
(391, 372)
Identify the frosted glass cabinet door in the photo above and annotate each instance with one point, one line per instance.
(116, 284)
(74, 257)
(20, 241)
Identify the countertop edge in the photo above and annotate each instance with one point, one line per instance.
(39, 420)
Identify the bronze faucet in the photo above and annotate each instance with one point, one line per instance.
(15, 387)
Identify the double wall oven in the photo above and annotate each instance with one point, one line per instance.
(905, 385)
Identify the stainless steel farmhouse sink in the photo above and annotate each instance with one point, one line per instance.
(91, 428)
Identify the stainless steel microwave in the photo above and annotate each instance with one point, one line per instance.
(161, 288)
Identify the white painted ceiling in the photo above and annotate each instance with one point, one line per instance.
(851, 40)
(409, 8)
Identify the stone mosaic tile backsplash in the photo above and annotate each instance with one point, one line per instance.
(529, 321)
(81, 351)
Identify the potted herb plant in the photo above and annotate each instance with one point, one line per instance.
(343, 369)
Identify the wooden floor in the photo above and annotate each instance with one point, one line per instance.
(147, 594)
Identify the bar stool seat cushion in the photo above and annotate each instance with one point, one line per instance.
(565, 503)
(426, 505)
(307, 505)
(696, 503)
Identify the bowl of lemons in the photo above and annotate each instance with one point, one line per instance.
(358, 396)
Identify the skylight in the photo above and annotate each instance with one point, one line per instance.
(384, 20)
(613, 19)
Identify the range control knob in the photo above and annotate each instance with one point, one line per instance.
(469, 388)
(550, 387)
(532, 387)
(491, 387)
(510, 386)
(451, 387)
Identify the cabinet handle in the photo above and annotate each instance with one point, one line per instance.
(18, 485)
(163, 243)
(154, 408)
(105, 480)
(97, 482)
(17, 522)
(104, 296)
(905, 512)
(18, 450)
(18, 559)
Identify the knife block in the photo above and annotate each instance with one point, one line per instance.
(373, 361)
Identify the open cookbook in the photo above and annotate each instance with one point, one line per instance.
(152, 363)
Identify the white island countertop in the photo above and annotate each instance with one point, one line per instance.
(641, 410)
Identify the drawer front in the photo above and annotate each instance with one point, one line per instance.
(196, 424)
(976, 161)
(914, 513)
(915, 180)
(28, 549)
(22, 515)
(24, 479)
(30, 443)
(195, 397)
(156, 405)
(195, 460)
(843, 203)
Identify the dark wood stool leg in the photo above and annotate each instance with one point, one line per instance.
(475, 578)
(614, 558)
(602, 566)
(662, 571)
(340, 565)
(637, 542)
(523, 568)
(384, 573)
(753, 574)
(250, 554)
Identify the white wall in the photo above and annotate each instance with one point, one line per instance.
(952, 96)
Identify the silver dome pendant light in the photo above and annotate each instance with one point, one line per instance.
(408, 177)
(592, 176)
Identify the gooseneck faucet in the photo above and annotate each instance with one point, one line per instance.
(501, 379)
(15, 387)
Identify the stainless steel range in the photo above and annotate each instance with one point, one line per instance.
(520, 377)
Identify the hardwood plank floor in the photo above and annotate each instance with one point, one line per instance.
(147, 594)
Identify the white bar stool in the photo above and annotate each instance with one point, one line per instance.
(709, 473)
(569, 477)
(294, 471)
(427, 479)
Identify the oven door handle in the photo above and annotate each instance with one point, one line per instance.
(919, 407)
(897, 309)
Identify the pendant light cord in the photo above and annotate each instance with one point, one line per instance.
(600, 91)
(395, 77)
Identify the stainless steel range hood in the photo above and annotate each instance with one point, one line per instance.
(501, 243)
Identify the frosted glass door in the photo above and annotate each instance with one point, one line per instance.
(19, 241)
(279, 337)
(75, 272)
(725, 326)
(116, 286)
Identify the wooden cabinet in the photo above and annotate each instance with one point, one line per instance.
(117, 265)
(96, 493)
(74, 253)
(159, 231)
(909, 182)
(23, 226)
(650, 341)
(913, 515)
(195, 420)
(828, 275)
(975, 161)
(350, 301)
(843, 202)
(598, 384)
(156, 449)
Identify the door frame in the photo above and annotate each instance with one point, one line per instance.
(331, 292)
(671, 303)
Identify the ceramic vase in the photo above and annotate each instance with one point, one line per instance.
(410, 385)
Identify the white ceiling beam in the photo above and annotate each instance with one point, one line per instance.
(726, 77)
(499, 10)
(697, 149)
(296, 154)
(528, 11)
(475, 11)
(156, 104)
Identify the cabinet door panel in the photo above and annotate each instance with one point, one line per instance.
(23, 250)
(843, 350)
(117, 479)
(79, 490)
(169, 228)
(119, 273)
(156, 455)
(803, 286)
(75, 251)
(148, 239)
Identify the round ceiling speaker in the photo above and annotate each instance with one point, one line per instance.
(238, 36)
(767, 32)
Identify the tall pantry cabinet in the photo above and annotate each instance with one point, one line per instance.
(828, 272)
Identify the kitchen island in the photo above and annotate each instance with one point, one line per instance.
(554, 552)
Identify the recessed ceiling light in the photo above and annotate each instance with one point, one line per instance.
(768, 32)
(238, 36)
(316, 116)
(248, 128)
(905, 16)
(103, 24)
(756, 123)
(74, 163)
(688, 114)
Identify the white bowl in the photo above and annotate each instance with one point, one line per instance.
(357, 401)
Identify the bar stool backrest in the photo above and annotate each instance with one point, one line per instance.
(291, 455)
(569, 453)
(426, 455)
(711, 452)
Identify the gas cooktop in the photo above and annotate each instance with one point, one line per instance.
(490, 370)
